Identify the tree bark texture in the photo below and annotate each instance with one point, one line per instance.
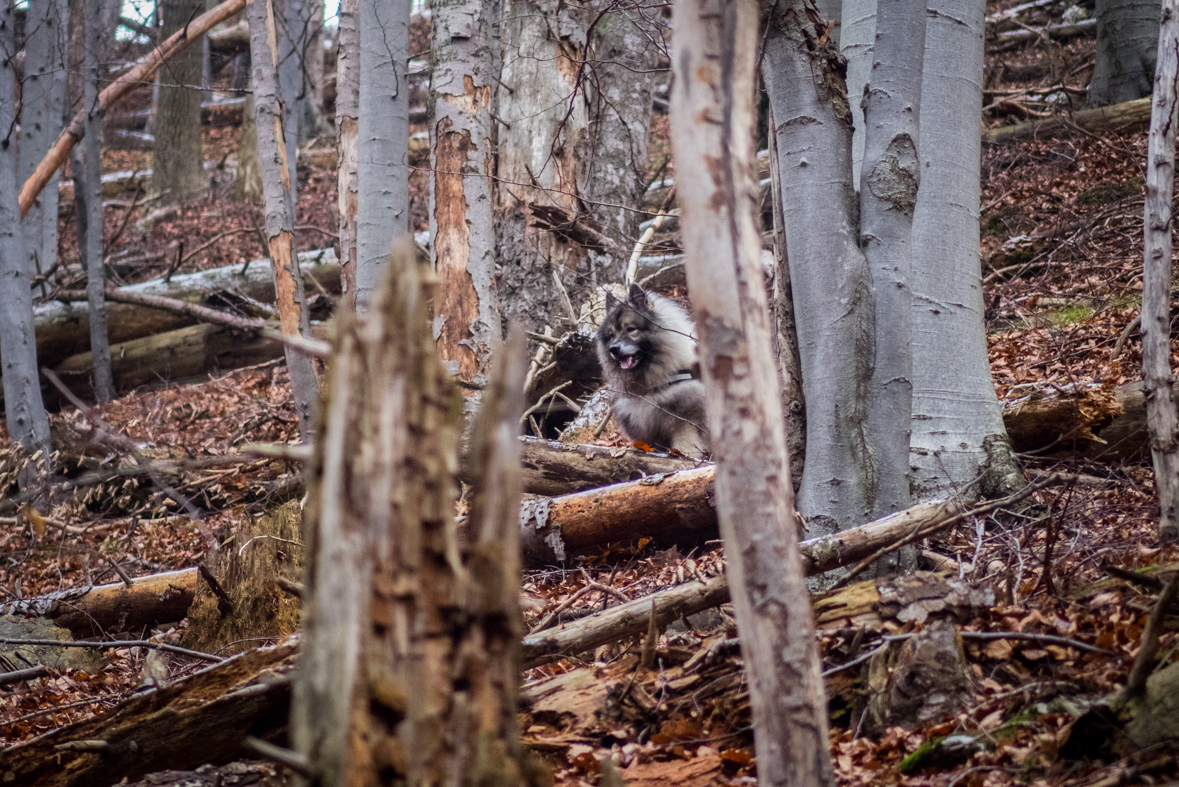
(543, 125)
(383, 167)
(410, 653)
(857, 37)
(1162, 421)
(92, 611)
(888, 193)
(23, 408)
(104, 384)
(714, 57)
(465, 61)
(625, 48)
(347, 140)
(42, 107)
(288, 21)
(1127, 46)
(829, 276)
(279, 198)
(552, 468)
(178, 163)
(201, 718)
(143, 72)
(954, 403)
(312, 122)
(247, 185)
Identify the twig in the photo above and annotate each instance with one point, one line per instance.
(540, 402)
(115, 643)
(1144, 661)
(23, 674)
(224, 602)
(130, 210)
(55, 708)
(122, 574)
(1123, 337)
(1047, 639)
(285, 757)
(174, 305)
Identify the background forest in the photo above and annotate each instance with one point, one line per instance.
(285, 280)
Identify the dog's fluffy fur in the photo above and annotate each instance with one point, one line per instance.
(647, 349)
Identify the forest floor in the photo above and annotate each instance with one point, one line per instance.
(1062, 251)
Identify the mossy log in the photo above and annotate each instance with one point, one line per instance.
(1121, 726)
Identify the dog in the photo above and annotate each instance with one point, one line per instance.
(647, 350)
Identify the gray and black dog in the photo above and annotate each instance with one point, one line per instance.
(647, 349)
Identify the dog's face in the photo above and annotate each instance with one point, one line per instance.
(628, 331)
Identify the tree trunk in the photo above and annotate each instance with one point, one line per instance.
(383, 166)
(347, 104)
(288, 20)
(888, 193)
(23, 408)
(1127, 45)
(714, 57)
(42, 107)
(543, 124)
(278, 193)
(104, 385)
(612, 181)
(247, 187)
(411, 653)
(954, 404)
(93, 611)
(465, 63)
(311, 121)
(857, 37)
(828, 273)
(178, 164)
(1162, 422)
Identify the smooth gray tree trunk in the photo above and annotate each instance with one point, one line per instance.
(1162, 420)
(857, 35)
(831, 283)
(290, 25)
(543, 125)
(383, 166)
(714, 55)
(618, 93)
(347, 109)
(23, 409)
(1127, 41)
(279, 200)
(888, 194)
(104, 381)
(465, 61)
(312, 122)
(42, 108)
(954, 403)
(178, 161)
(832, 13)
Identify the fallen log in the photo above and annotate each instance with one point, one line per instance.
(553, 468)
(1119, 117)
(63, 329)
(1120, 726)
(90, 612)
(1086, 420)
(819, 555)
(1062, 32)
(201, 718)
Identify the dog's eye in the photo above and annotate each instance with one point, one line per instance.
(632, 330)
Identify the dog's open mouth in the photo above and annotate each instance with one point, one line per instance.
(628, 361)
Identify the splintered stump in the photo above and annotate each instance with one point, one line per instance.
(200, 718)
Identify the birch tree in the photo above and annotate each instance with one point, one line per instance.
(383, 167)
(178, 162)
(104, 383)
(42, 108)
(465, 62)
(279, 200)
(23, 409)
(712, 120)
(1162, 419)
(347, 107)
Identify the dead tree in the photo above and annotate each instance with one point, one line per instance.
(347, 109)
(278, 194)
(409, 661)
(714, 53)
(1162, 422)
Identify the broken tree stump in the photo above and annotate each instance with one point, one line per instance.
(90, 612)
(200, 718)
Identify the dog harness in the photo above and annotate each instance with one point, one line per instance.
(681, 376)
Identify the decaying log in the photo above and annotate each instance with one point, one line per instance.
(62, 328)
(553, 468)
(819, 555)
(552, 529)
(1119, 117)
(1089, 420)
(201, 718)
(900, 598)
(89, 612)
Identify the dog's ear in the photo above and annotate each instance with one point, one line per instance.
(638, 298)
(611, 302)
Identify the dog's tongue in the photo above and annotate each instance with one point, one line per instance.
(627, 362)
